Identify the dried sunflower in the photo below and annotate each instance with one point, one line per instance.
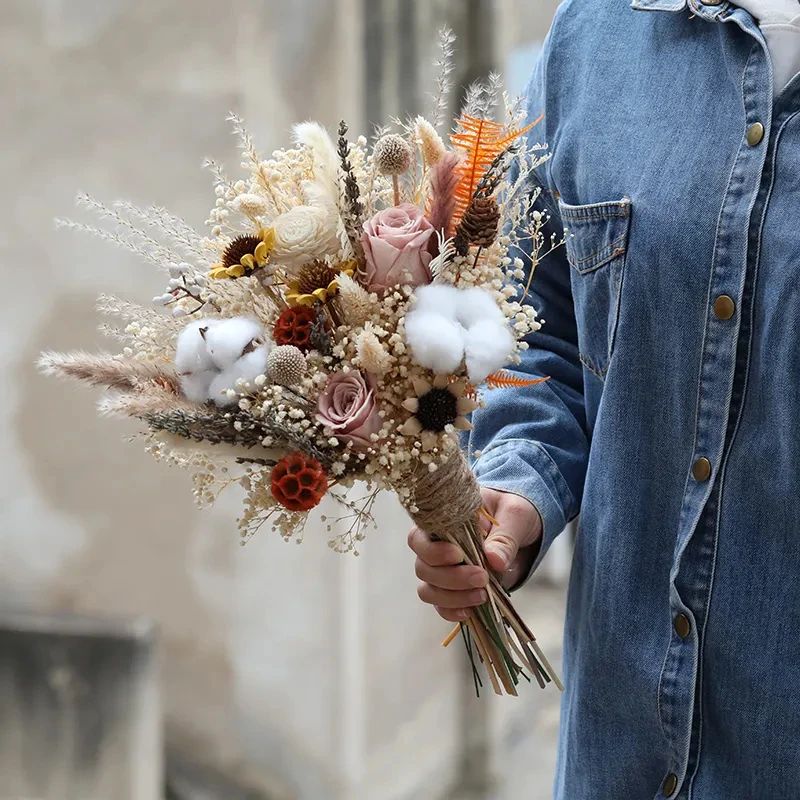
(316, 283)
(244, 254)
(434, 407)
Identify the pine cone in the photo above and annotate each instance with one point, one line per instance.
(479, 224)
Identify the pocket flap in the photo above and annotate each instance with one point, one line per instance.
(595, 234)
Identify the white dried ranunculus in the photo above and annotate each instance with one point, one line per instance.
(302, 234)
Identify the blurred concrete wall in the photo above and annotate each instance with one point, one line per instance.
(292, 668)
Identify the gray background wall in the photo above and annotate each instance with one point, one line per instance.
(292, 670)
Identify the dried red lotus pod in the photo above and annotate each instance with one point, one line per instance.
(294, 326)
(299, 482)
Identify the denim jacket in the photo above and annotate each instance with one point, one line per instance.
(672, 418)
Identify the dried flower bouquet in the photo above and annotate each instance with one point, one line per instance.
(337, 326)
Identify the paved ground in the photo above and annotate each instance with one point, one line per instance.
(524, 737)
(531, 737)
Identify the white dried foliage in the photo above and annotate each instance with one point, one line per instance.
(356, 304)
(430, 143)
(372, 356)
(325, 158)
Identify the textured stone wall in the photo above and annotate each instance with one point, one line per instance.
(292, 668)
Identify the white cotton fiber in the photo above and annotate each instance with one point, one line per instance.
(475, 305)
(437, 298)
(192, 349)
(487, 347)
(436, 342)
(229, 337)
(243, 371)
(195, 385)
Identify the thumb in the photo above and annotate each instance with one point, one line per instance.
(516, 525)
(501, 547)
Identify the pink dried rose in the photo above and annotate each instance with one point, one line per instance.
(396, 248)
(347, 406)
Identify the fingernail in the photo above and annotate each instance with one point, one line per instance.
(478, 580)
(462, 613)
(479, 598)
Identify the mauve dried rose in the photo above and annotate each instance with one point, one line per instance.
(347, 406)
(395, 244)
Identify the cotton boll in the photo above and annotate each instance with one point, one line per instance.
(436, 342)
(195, 385)
(487, 347)
(228, 339)
(243, 371)
(475, 305)
(192, 353)
(439, 299)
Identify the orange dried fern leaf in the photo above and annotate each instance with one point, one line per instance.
(481, 141)
(505, 380)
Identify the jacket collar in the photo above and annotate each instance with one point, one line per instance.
(697, 7)
(659, 5)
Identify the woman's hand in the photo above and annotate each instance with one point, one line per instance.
(454, 587)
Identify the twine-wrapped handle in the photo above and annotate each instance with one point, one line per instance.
(447, 500)
(446, 504)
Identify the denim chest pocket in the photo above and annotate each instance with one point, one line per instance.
(596, 241)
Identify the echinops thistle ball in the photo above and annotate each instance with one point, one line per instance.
(286, 365)
(392, 154)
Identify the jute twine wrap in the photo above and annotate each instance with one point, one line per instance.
(447, 499)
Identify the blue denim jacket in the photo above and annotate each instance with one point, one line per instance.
(672, 419)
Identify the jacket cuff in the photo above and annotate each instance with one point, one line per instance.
(524, 468)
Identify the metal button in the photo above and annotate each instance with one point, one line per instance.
(724, 307)
(670, 785)
(683, 627)
(755, 133)
(713, 2)
(701, 469)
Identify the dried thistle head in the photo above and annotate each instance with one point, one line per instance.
(392, 154)
(286, 365)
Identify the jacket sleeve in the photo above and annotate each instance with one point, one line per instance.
(532, 441)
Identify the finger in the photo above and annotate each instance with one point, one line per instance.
(462, 578)
(451, 599)
(437, 554)
(453, 614)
